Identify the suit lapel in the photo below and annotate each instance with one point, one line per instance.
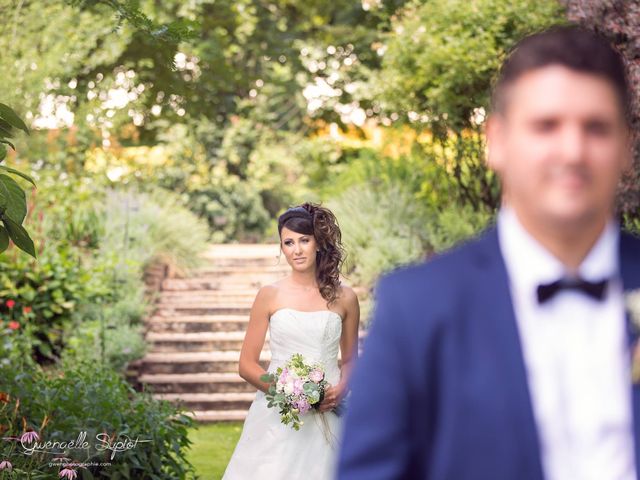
(630, 273)
(496, 309)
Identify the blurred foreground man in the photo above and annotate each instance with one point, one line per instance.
(510, 357)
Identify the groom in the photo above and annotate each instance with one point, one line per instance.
(509, 358)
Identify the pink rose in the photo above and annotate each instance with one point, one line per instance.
(316, 376)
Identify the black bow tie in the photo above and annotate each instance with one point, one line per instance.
(595, 290)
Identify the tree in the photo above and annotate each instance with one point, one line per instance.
(439, 61)
(619, 22)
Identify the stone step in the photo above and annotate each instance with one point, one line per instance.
(198, 362)
(216, 284)
(201, 308)
(196, 341)
(236, 282)
(210, 416)
(228, 382)
(166, 302)
(195, 362)
(266, 259)
(228, 296)
(198, 323)
(244, 268)
(203, 341)
(209, 401)
(203, 302)
(241, 250)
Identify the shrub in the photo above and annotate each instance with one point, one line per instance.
(382, 227)
(84, 397)
(42, 295)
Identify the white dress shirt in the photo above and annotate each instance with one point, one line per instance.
(576, 357)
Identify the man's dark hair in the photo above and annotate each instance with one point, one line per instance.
(571, 46)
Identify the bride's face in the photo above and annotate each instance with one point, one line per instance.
(299, 249)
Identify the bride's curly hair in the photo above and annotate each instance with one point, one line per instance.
(313, 219)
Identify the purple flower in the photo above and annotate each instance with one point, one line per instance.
(28, 437)
(284, 375)
(316, 376)
(68, 473)
(6, 464)
(303, 406)
(297, 386)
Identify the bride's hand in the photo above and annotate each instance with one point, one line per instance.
(332, 397)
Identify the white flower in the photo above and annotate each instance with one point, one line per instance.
(288, 388)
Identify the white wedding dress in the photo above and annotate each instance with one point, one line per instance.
(270, 450)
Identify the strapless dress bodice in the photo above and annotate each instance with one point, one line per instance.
(314, 334)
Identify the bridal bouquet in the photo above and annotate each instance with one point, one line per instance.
(295, 389)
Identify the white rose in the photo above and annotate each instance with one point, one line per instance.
(288, 389)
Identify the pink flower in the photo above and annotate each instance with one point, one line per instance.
(6, 464)
(26, 309)
(10, 303)
(316, 376)
(68, 473)
(297, 386)
(284, 375)
(303, 406)
(13, 325)
(28, 437)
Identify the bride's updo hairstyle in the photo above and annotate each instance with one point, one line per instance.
(312, 219)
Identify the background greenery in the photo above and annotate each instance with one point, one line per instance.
(157, 127)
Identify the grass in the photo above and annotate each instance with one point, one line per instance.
(212, 447)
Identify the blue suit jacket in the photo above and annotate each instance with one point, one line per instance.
(440, 391)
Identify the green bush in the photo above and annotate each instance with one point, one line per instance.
(454, 224)
(42, 295)
(85, 397)
(385, 225)
(143, 226)
(232, 207)
(139, 228)
(382, 227)
(85, 291)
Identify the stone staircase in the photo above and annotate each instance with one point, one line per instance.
(196, 331)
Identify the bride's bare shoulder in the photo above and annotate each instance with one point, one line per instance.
(348, 294)
(268, 292)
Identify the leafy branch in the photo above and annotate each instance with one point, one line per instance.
(13, 201)
(173, 32)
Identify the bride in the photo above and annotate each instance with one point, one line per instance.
(307, 312)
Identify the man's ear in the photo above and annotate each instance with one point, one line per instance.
(494, 131)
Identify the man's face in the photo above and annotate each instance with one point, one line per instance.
(560, 146)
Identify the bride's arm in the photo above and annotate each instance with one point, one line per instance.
(349, 338)
(348, 350)
(249, 366)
